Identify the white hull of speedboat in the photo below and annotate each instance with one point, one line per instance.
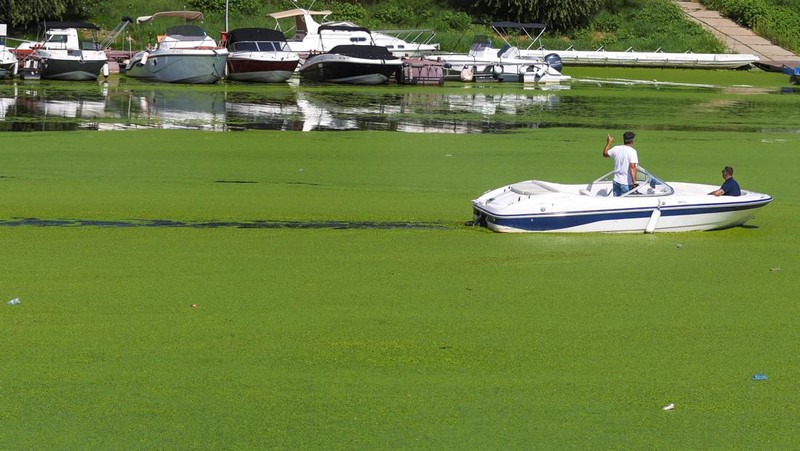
(654, 206)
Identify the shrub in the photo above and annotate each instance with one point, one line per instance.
(458, 21)
(219, 5)
(346, 11)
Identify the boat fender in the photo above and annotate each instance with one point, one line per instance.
(498, 69)
(145, 58)
(105, 70)
(651, 224)
(466, 74)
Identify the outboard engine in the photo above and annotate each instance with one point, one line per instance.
(554, 61)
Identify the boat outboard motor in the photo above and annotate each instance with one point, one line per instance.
(554, 61)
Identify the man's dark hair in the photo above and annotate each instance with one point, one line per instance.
(628, 137)
(728, 170)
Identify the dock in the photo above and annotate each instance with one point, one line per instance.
(739, 39)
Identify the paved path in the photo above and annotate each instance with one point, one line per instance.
(739, 39)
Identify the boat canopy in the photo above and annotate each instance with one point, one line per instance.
(64, 25)
(186, 15)
(531, 25)
(298, 12)
(255, 34)
(363, 51)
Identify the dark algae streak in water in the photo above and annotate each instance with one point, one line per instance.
(256, 224)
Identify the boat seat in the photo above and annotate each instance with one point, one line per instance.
(602, 193)
(584, 192)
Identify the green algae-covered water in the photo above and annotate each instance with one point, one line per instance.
(279, 289)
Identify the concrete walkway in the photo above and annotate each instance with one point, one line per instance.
(739, 39)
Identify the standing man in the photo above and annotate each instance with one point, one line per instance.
(625, 161)
(730, 187)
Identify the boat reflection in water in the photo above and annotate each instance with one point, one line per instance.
(195, 110)
(32, 108)
(44, 106)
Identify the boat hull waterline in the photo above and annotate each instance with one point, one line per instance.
(654, 206)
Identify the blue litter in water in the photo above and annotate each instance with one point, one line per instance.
(759, 377)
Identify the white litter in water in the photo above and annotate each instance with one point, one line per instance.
(669, 406)
(14, 301)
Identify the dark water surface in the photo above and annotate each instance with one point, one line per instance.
(121, 103)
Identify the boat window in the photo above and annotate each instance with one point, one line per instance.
(57, 41)
(265, 46)
(358, 39)
(245, 46)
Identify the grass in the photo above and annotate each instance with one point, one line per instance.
(370, 338)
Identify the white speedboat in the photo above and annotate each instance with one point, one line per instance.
(307, 39)
(653, 206)
(8, 60)
(63, 55)
(484, 62)
(185, 54)
(259, 54)
(351, 64)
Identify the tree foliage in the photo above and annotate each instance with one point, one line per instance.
(556, 14)
(20, 13)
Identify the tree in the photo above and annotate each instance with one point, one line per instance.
(20, 13)
(556, 14)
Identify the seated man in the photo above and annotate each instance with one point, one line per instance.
(730, 187)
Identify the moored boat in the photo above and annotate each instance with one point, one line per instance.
(351, 64)
(652, 206)
(185, 54)
(485, 62)
(259, 54)
(64, 55)
(307, 38)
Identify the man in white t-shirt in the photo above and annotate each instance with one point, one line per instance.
(625, 161)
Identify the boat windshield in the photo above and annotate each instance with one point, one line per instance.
(263, 46)
(647, 184)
